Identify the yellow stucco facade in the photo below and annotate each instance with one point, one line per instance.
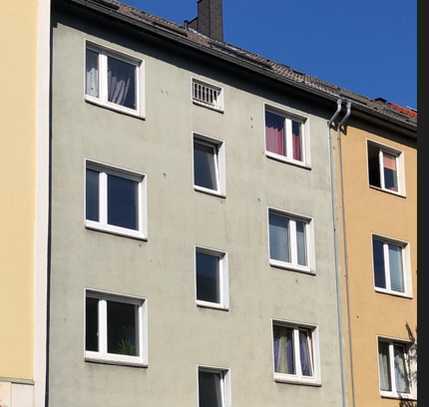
(18, 33)
(365, 211)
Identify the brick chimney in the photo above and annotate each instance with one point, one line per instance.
(210, 19)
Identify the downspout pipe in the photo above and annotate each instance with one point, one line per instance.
(332, 168)
(345, 118)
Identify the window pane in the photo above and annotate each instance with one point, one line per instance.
(306, 352)
(208, 278)
(396, 270)
(121, 328)
(204, 165)
(121, 83)
(122, 202)
(275, 133)
(301, 243)
(297, 140)
(92, 81)
(390, 172)
(210, 389)
(279, 237)
(378, 258)
(374, 165)
(91, 324)
(283, 350)
(401, 371)
(384, 364)
(92, 195)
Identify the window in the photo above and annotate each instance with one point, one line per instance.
(114, 200)
(112, 79)
(289, 240)
(384, 168)
(295, 357)
(389, 261)
(209, 163)
(396, 369)
(213, 387)
(211, 278)
(207, 95)
(284, 137)
(115, 329)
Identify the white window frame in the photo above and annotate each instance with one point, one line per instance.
(225, 382)
(309, 241)
(400, 167)
(298, 377)
(406, 266)
(102, 225)
(305, 135)
(223, 278)
(102, 99)
(218, 147)
(219, 105)
(102, 355)
(394, 394)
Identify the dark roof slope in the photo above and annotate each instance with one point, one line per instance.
(379, 106)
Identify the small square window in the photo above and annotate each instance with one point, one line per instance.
(207, 95)
(384, 168)
(295, 353)
(211, 271)
(389, 264)
(213, 387)
(397, 370)
(289, 240)
(209, 165)
(114, 200)
(284, 137)
(112, 79)
(114, 330)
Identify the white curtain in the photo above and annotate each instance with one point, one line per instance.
(383, 360)
(401, 371)
(121, 82)
(92, 73)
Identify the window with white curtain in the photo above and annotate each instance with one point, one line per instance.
(112, 79)
(390, 266)
(397, 369)
(289, 240)
(295, 353)
(213, 387)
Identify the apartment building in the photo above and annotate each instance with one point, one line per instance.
(378, 201)
(24, 73)
(192, 252)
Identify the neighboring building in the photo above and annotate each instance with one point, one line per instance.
(24, 73)
(192, 253)
(378, 202)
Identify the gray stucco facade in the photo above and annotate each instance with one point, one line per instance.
(181, 335)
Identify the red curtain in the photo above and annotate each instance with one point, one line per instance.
(296, 140)
(275, 133)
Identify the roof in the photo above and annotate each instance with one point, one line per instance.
(378, 107)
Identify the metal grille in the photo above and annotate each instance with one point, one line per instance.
(207, 94)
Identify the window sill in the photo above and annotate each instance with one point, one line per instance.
(213, 305)
(286, 160)
(115, 230)
(209, 191)
(114, 107)
(292, 379)
(115, 360)
(388, 191)
(292, 267)
(216, 109)
(398, 396)
(394, 293)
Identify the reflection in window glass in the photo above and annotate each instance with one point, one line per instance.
(121, 79)
(121, 328)
(210, 390)
(92, 195)
(91, 324)
(279, 237)
(208, 277)
(92, 73)
(205, 173)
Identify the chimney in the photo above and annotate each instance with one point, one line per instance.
(210, 19)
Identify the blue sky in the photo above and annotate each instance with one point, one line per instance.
(367, 46)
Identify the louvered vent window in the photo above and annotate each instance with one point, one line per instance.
(206, 94)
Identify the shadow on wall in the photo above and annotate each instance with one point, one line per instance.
(412, 360)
